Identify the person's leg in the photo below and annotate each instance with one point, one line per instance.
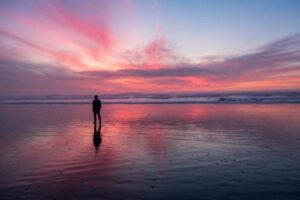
(94, 117)
(99, 117)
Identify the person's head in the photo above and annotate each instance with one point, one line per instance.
(96, 96)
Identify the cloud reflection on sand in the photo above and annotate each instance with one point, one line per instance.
(150, 150)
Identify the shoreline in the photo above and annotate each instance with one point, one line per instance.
(188, 102)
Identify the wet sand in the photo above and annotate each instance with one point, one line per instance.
(150, 151)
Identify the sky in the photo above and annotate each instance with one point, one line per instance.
(148, 46)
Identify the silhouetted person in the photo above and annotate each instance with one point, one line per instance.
(97, 137)
(96, 109)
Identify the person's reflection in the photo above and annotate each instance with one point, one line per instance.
(97, 137)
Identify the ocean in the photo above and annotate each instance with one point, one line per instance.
(134, 98)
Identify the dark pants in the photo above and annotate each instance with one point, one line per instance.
(95, 116)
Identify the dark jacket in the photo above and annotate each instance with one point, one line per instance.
(96, 105)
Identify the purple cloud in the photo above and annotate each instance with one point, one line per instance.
(278, 61)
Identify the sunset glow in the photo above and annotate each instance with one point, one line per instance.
(83, 47)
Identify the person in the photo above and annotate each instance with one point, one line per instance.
(96, 109)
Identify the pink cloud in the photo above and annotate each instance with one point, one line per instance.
(156, 54)
(61, 34)
(97, 32)
(79, 45)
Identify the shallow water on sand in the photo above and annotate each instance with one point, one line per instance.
(150, 151)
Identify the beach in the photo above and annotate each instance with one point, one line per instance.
(150, 151)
